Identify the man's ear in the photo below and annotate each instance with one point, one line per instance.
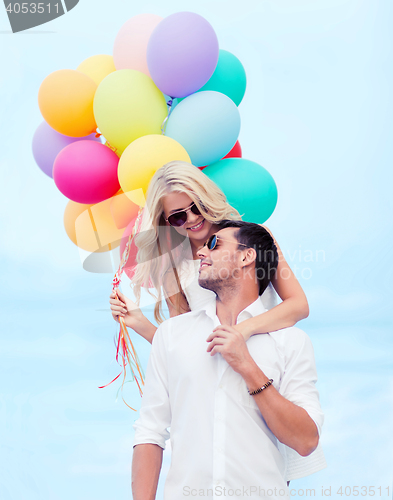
(249, 256)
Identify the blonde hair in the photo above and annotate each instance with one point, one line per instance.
(160, 247)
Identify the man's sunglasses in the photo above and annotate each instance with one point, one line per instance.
(178, 219)
(211, 243)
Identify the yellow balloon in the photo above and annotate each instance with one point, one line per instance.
(92, 227)
(97, 67)
(128, 105)
(141, 160)
(65, 99)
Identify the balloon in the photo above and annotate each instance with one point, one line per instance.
(91, 227)
(248, 187)
(207, 124)
(129, 50)
(97, 67)
(123, 210)
(47, 144)
(142, 159)
(128, 105)
(86, 172)
(182, 53)
(235, 152)
(65, 99)
(129, 267)
(229, 77)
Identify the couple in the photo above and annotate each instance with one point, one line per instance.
(236, 411)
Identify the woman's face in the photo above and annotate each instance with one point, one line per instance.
(197, 228)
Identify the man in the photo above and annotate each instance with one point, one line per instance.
(230, 405)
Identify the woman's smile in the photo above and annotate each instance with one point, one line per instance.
(196, 227)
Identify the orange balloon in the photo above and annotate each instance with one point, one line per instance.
(123, 210)
(92, 227)
(66, 99)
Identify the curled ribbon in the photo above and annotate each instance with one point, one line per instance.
(125, 350)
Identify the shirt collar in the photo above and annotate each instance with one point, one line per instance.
(253, 309)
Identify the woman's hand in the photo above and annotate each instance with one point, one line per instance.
(126, 308)
(133, 316)
(242, 328)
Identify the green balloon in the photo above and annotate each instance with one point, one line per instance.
(248, 187)
(229, 78)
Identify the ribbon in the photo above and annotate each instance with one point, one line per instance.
(164, 123)
(125, 351)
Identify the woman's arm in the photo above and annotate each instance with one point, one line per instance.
(293, 308)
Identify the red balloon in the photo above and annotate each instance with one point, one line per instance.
(129, 267)
(235, 152)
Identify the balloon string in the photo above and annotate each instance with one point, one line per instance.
(164, 123)
(125, 351)
(110, 146)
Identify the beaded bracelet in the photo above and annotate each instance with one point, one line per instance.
(257, 391)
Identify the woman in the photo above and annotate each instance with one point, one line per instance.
(183, 209)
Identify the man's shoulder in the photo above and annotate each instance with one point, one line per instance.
(180, 322)
(291, 336)
(174, 333)
(183, 318)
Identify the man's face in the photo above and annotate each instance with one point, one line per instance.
(221, 266)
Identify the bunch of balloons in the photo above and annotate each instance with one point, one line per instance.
(166, 93)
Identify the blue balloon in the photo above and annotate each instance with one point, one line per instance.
(247, 186)
(206, 124)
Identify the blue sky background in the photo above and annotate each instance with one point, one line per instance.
(318, 115)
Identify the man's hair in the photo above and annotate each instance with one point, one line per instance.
(256, 236)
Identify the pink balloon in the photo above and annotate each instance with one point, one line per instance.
(129, 50)
(47, 144)
(130, 265)
(86, 172)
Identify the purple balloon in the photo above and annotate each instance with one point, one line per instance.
(182, 54)
(47, 144)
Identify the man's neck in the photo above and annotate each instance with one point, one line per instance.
(230, 303)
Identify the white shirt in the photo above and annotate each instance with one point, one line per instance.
(218, 437)
(198, 298)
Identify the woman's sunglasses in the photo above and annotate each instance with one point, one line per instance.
(178, 219)
(211, 243)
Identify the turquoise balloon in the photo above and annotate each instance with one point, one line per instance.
(229, 77)
(248, 187)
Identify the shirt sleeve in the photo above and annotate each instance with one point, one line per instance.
(300, 376)
(155, 413)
